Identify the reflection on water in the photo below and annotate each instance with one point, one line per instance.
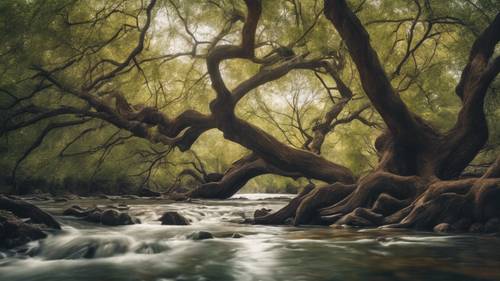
(150, 251)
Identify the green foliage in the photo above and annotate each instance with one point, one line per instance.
(50, 33)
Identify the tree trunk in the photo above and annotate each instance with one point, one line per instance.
(413, 186)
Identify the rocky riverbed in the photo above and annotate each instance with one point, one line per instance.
(215, 245)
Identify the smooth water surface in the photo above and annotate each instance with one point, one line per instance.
(150, 251)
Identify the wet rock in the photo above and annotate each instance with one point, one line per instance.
(261, 212)
(476, 228)
(237, 235)
(145, 192)
(60, 199)
(23, 209)
(126, 219)
(110, 217)
(113, 217)
(173, 218)
(15, 232)
(94, 216)
(200, 235)
(76, 211)
(492, 225)
(119, 207)
(443, 228)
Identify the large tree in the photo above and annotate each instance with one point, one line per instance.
(416, 181)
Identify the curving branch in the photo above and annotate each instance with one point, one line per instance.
(253, 138)
(470, 132)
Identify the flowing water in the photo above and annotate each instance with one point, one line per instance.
(150, 251)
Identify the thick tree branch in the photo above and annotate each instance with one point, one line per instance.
(400, 121)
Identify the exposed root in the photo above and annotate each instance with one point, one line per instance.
(371, 187)
(307, 211)
(387, 200)
(281, 216)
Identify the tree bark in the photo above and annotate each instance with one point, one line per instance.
(236, 177)
(413, 186)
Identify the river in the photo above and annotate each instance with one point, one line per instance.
(150, 251)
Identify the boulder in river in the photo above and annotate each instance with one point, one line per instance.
(15, 232)
(94, 216)
(200, 235)
(113, 217)
(76, 211)
(109, 217)
(23, 209)
(173, 218)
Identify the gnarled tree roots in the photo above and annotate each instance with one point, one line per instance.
(387, 200)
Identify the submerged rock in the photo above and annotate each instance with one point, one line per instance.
(173, 218)
(200, 235)
(237, 235)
